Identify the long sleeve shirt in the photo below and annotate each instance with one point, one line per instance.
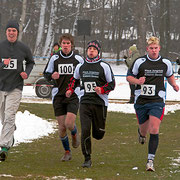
(18, 52)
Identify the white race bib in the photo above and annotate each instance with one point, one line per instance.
(148, 90)
(65, 68)
(12, 64)
(89, 86)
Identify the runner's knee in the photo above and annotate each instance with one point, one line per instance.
(98, 134)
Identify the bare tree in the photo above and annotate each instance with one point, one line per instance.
(119, 30)
(141, 15)
(39, 37)
(151, 18)
(22, 20)
(165, 26)
(51, 29)
(116, 26)
(78, 3)
(102, 24)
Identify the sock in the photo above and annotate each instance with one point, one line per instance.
(65, 142)
(74, 131)
(153, 144)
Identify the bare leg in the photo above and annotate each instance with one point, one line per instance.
(70, 121)
(62, 127)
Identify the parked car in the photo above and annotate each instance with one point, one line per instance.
(42, 87)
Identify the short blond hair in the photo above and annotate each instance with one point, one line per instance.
(153, 40)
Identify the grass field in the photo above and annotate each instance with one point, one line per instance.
(118, 156)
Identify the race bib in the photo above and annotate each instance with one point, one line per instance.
(148, 90)
(89, 86)
(65, 68)
(12, 64)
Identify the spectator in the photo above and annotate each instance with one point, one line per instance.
(56, 48)
(133, 54)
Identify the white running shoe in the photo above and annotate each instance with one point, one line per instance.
(150, 166)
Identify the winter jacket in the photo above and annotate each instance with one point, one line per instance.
(10, 77)
(129, 61)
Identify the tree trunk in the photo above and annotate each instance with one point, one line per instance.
(39, 39)
(51, 29)
(23, 17)
(102, 27)
(165, 26)
(119, 33)
(76, 18)
(141, 16)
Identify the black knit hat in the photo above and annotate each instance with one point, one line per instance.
(95, 44)
(12, 24)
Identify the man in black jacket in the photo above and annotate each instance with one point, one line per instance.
(12, 75)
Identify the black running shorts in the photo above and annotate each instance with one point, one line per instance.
(62, 105)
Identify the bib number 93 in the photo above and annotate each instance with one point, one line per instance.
(148, 90)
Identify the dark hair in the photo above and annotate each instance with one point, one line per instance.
(56, 44)
(67, 36)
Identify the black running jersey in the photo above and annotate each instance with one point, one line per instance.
(65, 66)
(153, 90)
(91, 75)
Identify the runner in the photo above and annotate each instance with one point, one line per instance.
(148, 74)
(60, 69)
(97, 80)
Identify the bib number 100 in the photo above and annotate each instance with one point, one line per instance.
(65, 68)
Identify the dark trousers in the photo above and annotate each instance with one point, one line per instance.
(91, 115)
(132, 89)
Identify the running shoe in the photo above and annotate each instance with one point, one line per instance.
(3, 154)
(67, 156)
(87, 164)
(150, 165)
